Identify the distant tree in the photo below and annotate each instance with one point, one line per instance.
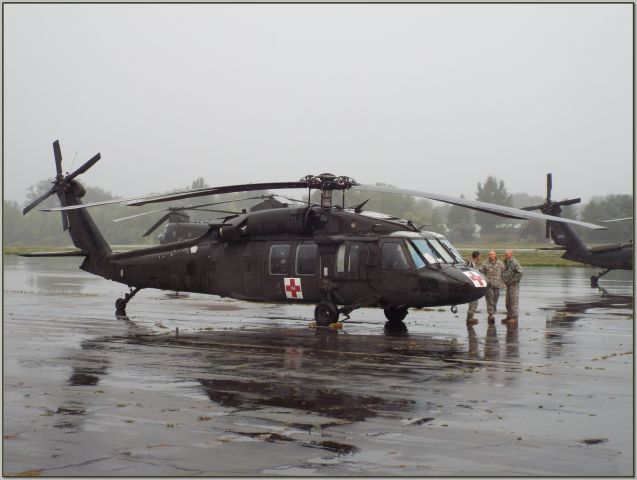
(461, 223)
(493, 191)
(199, 182)
(607, 208)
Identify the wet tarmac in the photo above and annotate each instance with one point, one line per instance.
(249, 389)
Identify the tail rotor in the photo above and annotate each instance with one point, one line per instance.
(62, 183)
(550, 207)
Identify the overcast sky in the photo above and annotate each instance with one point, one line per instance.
(426, 97)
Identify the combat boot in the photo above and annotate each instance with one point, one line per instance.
(506, 319)
(471, 321)
(491, 320)
(512, 322)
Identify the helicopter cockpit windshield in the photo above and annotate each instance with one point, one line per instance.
(430, 251)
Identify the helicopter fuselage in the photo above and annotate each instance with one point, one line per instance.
(380, 261)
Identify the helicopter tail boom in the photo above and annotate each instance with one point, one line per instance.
(84, 233)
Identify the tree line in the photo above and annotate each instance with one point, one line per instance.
(458, 223)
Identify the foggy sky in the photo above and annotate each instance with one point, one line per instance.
(426, 97)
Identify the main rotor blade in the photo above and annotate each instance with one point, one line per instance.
(38, 200)
(138, 201)
(58, 157)
(211, 210)
(616, 220)
(502, 211)
(258, 197)
(219, 190)
(292, 199)
(84, 167)
(157, 224)
(140, 214)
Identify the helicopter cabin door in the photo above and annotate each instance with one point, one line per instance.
(349, 269)
(292, 271)
(252, 276)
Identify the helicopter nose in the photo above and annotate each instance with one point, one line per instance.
(467, 285)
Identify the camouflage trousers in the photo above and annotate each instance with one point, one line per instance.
(492, 295)
(513, 300)
(473, 306)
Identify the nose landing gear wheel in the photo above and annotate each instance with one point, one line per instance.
(325, 314)
(395, 314)
(395, 317)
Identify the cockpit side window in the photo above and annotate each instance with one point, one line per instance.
(415, 256)
(392, 257)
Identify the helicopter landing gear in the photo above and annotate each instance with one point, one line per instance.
(395, 317)
(326, 313)
(395, 314)
(595, 278)
(120, 303)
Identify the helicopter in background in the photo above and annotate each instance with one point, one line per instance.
(607, 257)
(337, 258)
(181, 227)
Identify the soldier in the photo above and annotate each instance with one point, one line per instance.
(473, 306)
(492, 269)
(511, 275)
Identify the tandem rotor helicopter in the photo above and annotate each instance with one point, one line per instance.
(339, 259)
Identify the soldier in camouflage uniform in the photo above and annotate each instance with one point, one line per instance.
(473, 306)
(511, 275)
(492, 269)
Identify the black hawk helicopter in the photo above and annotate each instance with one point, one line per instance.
(606, 257)
(339, 259)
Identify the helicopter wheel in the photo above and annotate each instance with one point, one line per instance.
(120, 305)
(325, 313)
(395, 314)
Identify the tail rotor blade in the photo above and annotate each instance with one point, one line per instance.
(58, 157)
(157, 224)
(38, 200)
(65, 221)
(549, 186)
(83, 168)
(548, 229)
(571, 201)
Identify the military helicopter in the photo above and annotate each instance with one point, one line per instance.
(607, 257)
(180, 227)
(338, 258)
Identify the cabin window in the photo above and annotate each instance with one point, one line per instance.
(340, 259)
(279, 255)
(353, 259)
(306, 259)
(392, 257)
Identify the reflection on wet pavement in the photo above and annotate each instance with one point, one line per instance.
(198, 385)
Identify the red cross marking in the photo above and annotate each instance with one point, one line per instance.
(293, 288)
(478, 280)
